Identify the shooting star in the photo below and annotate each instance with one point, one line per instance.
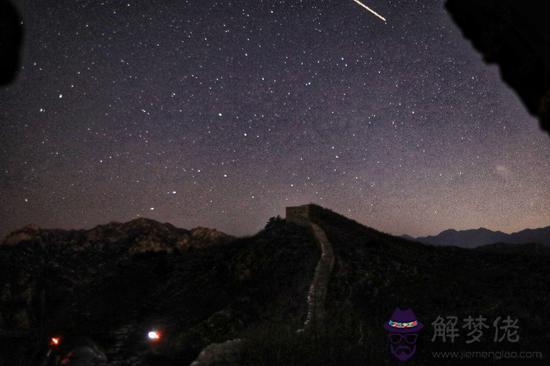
(369, 9)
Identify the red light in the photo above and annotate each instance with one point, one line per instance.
(55, 341)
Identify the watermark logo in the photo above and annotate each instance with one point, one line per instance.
(403, 328)
(472, 330)
(446, 329)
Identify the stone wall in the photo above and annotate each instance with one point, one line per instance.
(306, 216)
(302, 215)
(298, 215)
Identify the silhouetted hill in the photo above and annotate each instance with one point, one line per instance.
(477, 237)
(541, 236)
(113, 283)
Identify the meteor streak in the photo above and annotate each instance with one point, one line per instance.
(369, 9)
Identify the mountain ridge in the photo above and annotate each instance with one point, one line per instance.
(77, 284)
(472, 238)
(147, 235)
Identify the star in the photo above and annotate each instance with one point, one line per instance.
(186, 112)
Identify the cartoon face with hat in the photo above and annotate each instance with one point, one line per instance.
(403, 328)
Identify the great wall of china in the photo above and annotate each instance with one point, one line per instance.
(227, 353)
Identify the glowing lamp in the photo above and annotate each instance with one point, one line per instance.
(153, 335)
(55, 341)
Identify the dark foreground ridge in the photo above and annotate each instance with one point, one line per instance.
(103, 290)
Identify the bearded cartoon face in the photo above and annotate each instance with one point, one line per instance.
(403, 328)
(403, 346)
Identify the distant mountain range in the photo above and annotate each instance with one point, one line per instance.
(477, 237)
(245, 301)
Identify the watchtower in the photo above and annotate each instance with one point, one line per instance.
(302, 215)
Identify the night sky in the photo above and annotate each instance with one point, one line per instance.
(221, 113)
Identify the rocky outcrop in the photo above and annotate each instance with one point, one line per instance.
(138, 236)
(220, 354)
(28, 233)
(196, 238)
(201, 235)
(515, 35)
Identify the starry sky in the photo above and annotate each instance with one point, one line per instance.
(221, 113)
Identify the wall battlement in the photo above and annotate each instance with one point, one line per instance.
(302, 215)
